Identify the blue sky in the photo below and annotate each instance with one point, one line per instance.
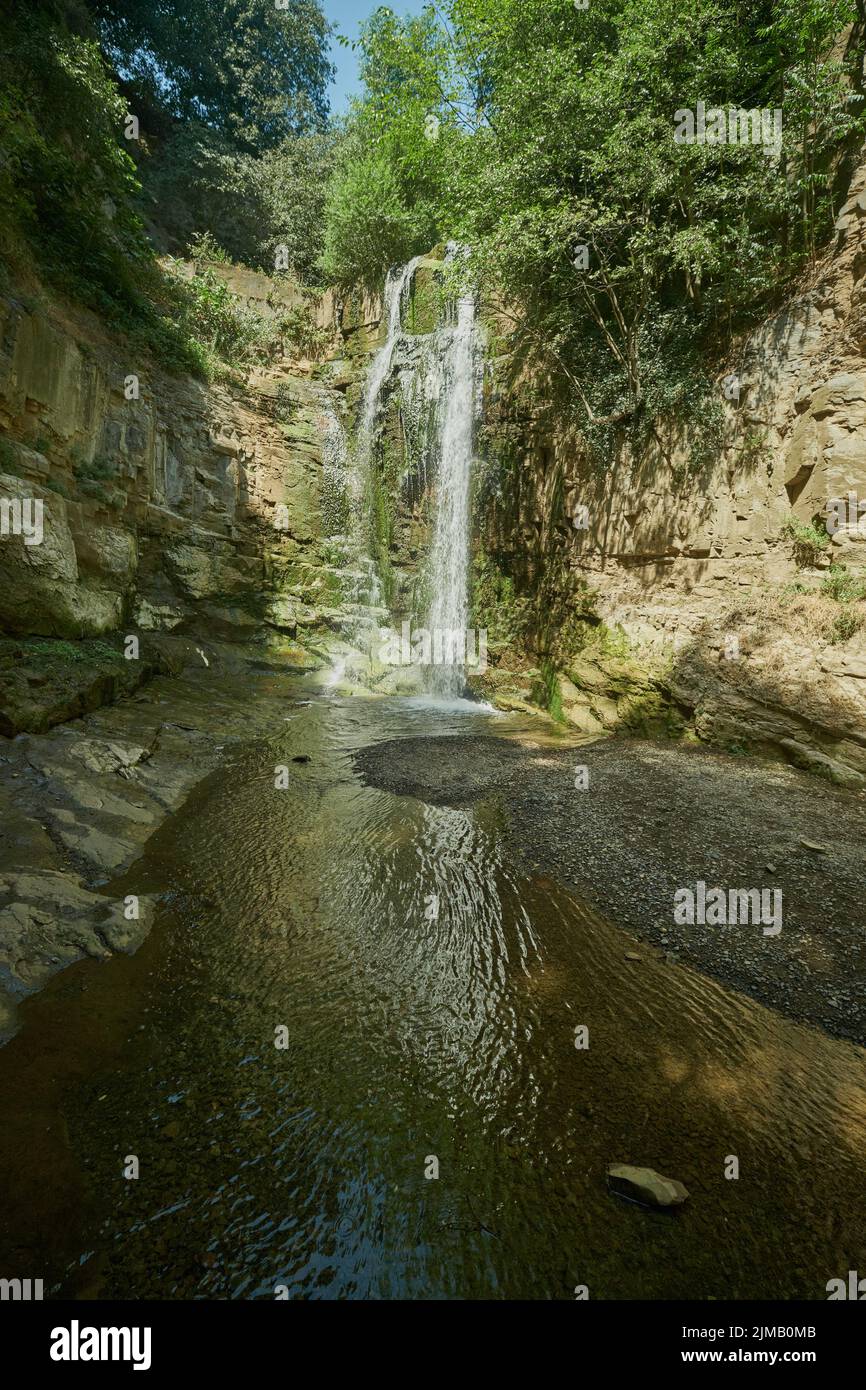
(346, 15)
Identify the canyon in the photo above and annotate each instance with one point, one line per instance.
(222, 567)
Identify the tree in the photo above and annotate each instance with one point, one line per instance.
(197, 182)
(246, 69)
(625, 259)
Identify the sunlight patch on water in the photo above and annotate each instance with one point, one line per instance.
(444, 704)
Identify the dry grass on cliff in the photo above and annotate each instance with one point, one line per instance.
(810, 617)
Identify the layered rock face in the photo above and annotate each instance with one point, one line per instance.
(167, 506)
(697, 566)
(191, 513)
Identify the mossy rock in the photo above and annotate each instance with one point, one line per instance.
(422, 311)
(44, 681)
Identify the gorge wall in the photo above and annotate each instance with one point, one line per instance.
(694, 571)
(656, 594)
(175, 510)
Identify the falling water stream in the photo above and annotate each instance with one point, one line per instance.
(444, 376)
(376, 380)
(363, 596)
(449, 556)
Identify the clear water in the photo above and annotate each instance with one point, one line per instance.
(414, 1032)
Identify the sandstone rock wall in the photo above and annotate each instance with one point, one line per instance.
(178, 506)
(696, 565)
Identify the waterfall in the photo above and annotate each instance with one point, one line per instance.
(438, 374)
(361, 472)
(349, 475)
(448, 571)
(380, 368)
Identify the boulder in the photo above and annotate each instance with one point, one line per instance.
(645, 1185)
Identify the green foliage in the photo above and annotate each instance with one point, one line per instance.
(204, 247)
(384, 202)
(9, 458)
(809, 541)
(250, 70)
(66, 186)
(57, 485)
(212, 316)
(369, 226)
(229, 205)
(380, 509)
(556, 131)
(94, 470)
(58, 652)
(843, 586)
(69, 190)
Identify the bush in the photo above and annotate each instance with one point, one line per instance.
(66, 185)
(200, 191)
(809, 541)
(369, 226)
(842, 586)
(844, 626)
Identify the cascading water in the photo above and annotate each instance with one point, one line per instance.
(377, 377)
(362, 587)
(380, 369)
(439, 394)
(448, 575)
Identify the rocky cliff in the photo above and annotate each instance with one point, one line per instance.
(721, 594)
(669, 591)
(174, 512)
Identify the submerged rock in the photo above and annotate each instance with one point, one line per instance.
(645, 1185)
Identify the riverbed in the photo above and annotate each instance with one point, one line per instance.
(350, 1060)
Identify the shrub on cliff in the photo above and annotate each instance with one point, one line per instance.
(66, 184)
(70, 197)
(197, 183)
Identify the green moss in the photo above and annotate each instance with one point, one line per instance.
(650, 714)
(9, 459)
(382, 517)
(58, 486)
(546, 693)
(52, 655)
(286, 404)
(495, 605)
(613, 641)
(424, 306)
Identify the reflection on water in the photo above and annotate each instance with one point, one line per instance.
(431, 993)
